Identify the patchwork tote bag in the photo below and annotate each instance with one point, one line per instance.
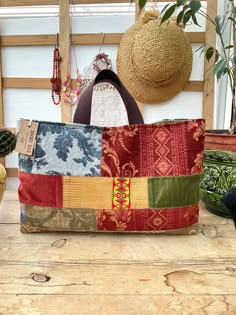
(132, 178)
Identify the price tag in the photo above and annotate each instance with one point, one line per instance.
(26, 137)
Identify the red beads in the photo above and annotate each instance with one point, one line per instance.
(56, 78)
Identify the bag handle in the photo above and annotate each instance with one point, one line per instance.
(82, 114)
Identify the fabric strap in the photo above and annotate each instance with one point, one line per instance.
(83, 111)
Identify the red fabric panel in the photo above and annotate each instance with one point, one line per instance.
(40, 190)
(120, 151)
(147, 219)
(153, 150)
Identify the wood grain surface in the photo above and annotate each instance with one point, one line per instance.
(92, 273)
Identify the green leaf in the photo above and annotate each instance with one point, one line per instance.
(194, 19)
(234, 76)
(219, 68)
(226, 70)
(209, 53)
(218, 20)
(187, 16)
(234, 59)
(217, 55)
(169, 12)
(194, 5)
(165, 7)
(180, 2)
(142, 4)
(230, 46)
(180, 17)
(221, 72)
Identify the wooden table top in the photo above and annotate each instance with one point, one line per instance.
(66, 273)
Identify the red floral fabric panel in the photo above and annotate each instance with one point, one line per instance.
(147, 219)
(120, 152)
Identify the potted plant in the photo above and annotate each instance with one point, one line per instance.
(220, 161)
(7, 145)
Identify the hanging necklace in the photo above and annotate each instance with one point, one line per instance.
(56, 76)
(72, 96)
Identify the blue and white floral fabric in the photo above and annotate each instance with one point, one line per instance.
(57, 148)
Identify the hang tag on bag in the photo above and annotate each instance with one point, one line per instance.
(26, 137)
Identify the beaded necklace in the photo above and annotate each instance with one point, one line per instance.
(56, 77)
(72, 96)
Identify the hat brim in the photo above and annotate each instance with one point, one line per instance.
(140, 90)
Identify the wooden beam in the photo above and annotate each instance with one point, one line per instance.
(27, 83)
(2, 160)
(64, 26)
(95, 39)
(15, 3)
(28, 40)
(209, 80)
(78, 39)
(44, 83)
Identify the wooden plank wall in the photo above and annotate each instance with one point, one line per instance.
(206, 86)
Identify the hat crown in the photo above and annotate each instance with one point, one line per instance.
(158, 52)
(154, 60)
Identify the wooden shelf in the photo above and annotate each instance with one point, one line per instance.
(78, 39)
(11, 3)
(44, 83)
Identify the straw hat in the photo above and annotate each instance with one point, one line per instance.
(154, 61)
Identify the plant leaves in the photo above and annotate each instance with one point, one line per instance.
(218, 20)
(180, 17)
(142, 4)
(165, 7)
(221, 72)
(180, 2)
(230, 46)
(187, 16)
(194, 5)
(219, 68)
(209, 53)
(226, 70)
(217, 55)
(234, 59)
(194, 19)
(234, 77)
(169, 12)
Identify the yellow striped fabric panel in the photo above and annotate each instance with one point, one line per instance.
(97, 192)
(87, 192)
(139, 193)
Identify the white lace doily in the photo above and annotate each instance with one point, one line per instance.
(108, 109)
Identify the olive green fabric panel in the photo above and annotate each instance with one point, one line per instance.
(173, 191)
(55, 218)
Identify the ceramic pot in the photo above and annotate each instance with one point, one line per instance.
(3, 176)
(219, 177)
(220, 140)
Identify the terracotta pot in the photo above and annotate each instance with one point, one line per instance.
(220, 140)
(3, 176)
